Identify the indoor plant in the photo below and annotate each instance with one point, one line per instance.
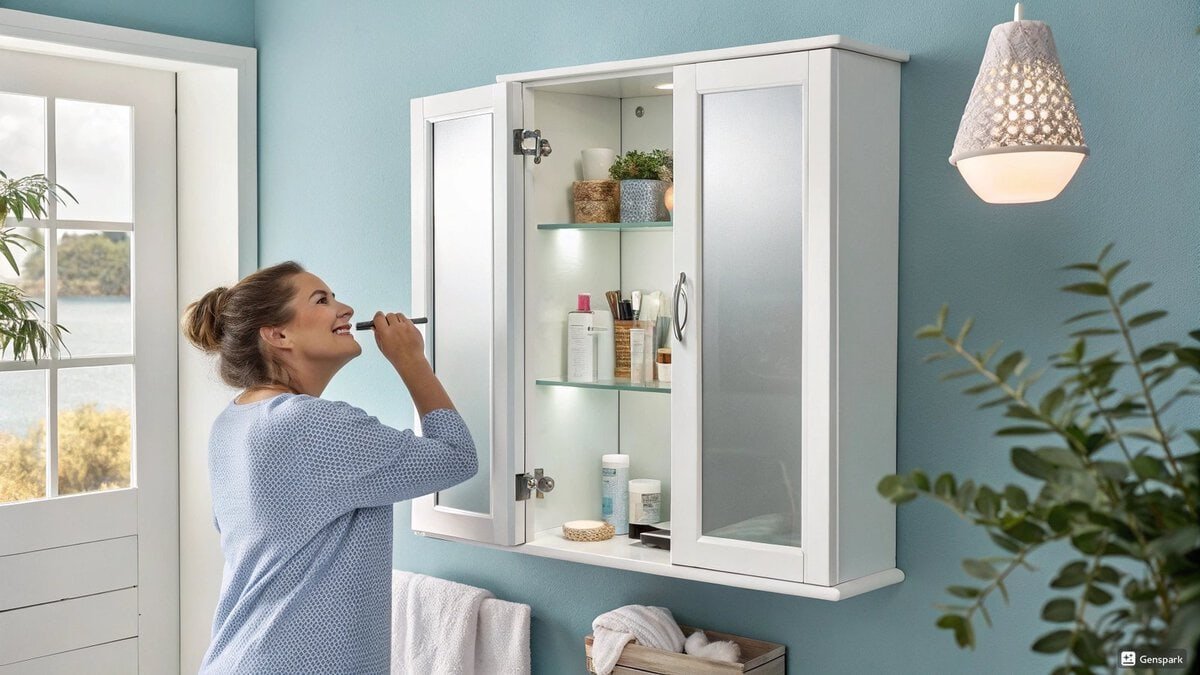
(20, 327)
(644, 178)
(1116, 480)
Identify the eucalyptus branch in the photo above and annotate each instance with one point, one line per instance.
(1154, 416)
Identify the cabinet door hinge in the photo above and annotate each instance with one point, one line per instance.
(539, 148)
(529, 484)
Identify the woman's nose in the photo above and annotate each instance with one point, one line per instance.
(347, 311)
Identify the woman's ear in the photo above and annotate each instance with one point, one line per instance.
(274, 336)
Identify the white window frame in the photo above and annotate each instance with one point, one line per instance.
(216, 108)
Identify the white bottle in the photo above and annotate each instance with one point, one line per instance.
(614, 491)
(581, 342)
(645, 501)
(637, 355)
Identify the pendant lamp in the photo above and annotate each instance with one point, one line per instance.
(1020, 139)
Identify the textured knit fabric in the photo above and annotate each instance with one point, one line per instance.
(302, 494)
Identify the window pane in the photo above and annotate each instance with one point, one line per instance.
(94, 147)
(22, 436)
(93, 292)
(31, 281)
(22, 135)
(94, 428)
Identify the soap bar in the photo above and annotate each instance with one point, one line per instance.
(588, 530)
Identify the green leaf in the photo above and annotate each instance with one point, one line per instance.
(926, 332)
(1094, 332)
(1086, 267)
(1059, 610)
(1051, 401)
(1016, 498)
(1023, 431)
(1097, 596)
(1133, 291)
(1052, 643)
(980, 569)
(1086, 315)
(1108, 575)
(1089, 648)
(1007, 543)
(1104, 252)
(1060, 457)
(944, 486)
(941, 317)
(1148, 317)
(964, 636)
(1087, 288)
(1008, 365)
(1025, 531)
(980, 388)
(1071, 575)
(987, 502)
(965, 330)
(1113, 271)
(968, 592)
(1149, 468)
(920, 480)
(1031, 465)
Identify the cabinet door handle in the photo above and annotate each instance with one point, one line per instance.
(680, 291)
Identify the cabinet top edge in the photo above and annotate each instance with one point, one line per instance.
(670, 60)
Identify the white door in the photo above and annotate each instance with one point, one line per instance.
(89, 554)
(749, 415)
(467, 278)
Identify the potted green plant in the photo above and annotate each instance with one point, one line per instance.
(645, 177)
(1116, 479)
(21, 329)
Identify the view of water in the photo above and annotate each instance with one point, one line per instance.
(98, 325)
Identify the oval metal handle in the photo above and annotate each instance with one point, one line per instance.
(680, 291)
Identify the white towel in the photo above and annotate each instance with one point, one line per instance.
(502, 645)
(448, 628)
(652, 627)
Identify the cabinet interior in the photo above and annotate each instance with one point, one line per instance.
(569, 428)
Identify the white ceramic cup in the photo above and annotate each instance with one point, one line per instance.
(596, 162)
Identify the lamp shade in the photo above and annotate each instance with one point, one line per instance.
(1020, 139)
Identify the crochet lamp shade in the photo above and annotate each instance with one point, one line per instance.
(1020, 139)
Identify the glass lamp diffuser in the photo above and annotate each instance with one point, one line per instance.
(1020, 139)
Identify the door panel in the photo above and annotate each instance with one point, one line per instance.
(740, 433)
(465, 231)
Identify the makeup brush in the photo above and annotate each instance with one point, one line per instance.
(370, 325)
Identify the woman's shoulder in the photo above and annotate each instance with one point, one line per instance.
(309, 409)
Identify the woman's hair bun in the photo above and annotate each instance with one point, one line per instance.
(203, 323)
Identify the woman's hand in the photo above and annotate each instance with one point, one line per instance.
(399, 340)
(403, 345)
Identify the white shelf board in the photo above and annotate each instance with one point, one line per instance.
(624, 553)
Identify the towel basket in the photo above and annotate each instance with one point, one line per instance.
(758, 657)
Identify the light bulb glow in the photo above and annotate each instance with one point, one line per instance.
(667, 86)
(1020, 177)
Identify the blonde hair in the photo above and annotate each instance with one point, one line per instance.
(226, 321)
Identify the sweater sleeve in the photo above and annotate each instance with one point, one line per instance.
(357, 461)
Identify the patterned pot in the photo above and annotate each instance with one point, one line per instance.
(642, 201)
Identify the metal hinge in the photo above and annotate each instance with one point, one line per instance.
(529, 484)
(538, 149)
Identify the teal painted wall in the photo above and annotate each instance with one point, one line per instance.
(229, 21)
(335, 82)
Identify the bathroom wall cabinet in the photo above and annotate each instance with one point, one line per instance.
(782, 253)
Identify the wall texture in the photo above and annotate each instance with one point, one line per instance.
(335, 83)
(230, 21)
(336, 79)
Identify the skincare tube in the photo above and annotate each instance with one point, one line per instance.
(637, 354)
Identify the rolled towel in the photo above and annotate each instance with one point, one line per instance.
(723, 650)
(652, 627)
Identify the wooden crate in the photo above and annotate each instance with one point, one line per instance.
(758, 657)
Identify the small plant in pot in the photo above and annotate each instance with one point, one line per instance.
(21, 329)
(645, 177)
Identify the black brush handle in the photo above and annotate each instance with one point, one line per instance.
(370, 325)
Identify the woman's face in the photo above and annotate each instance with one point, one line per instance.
(320, 331)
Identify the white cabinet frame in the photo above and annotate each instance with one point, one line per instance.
(851, 104)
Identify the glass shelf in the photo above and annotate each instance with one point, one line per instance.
(608, 227)
(618, 384)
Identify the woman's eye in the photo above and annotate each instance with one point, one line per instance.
(324, 300)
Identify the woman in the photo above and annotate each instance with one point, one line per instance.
(303, 487)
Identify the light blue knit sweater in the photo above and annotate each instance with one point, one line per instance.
(302, 492)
